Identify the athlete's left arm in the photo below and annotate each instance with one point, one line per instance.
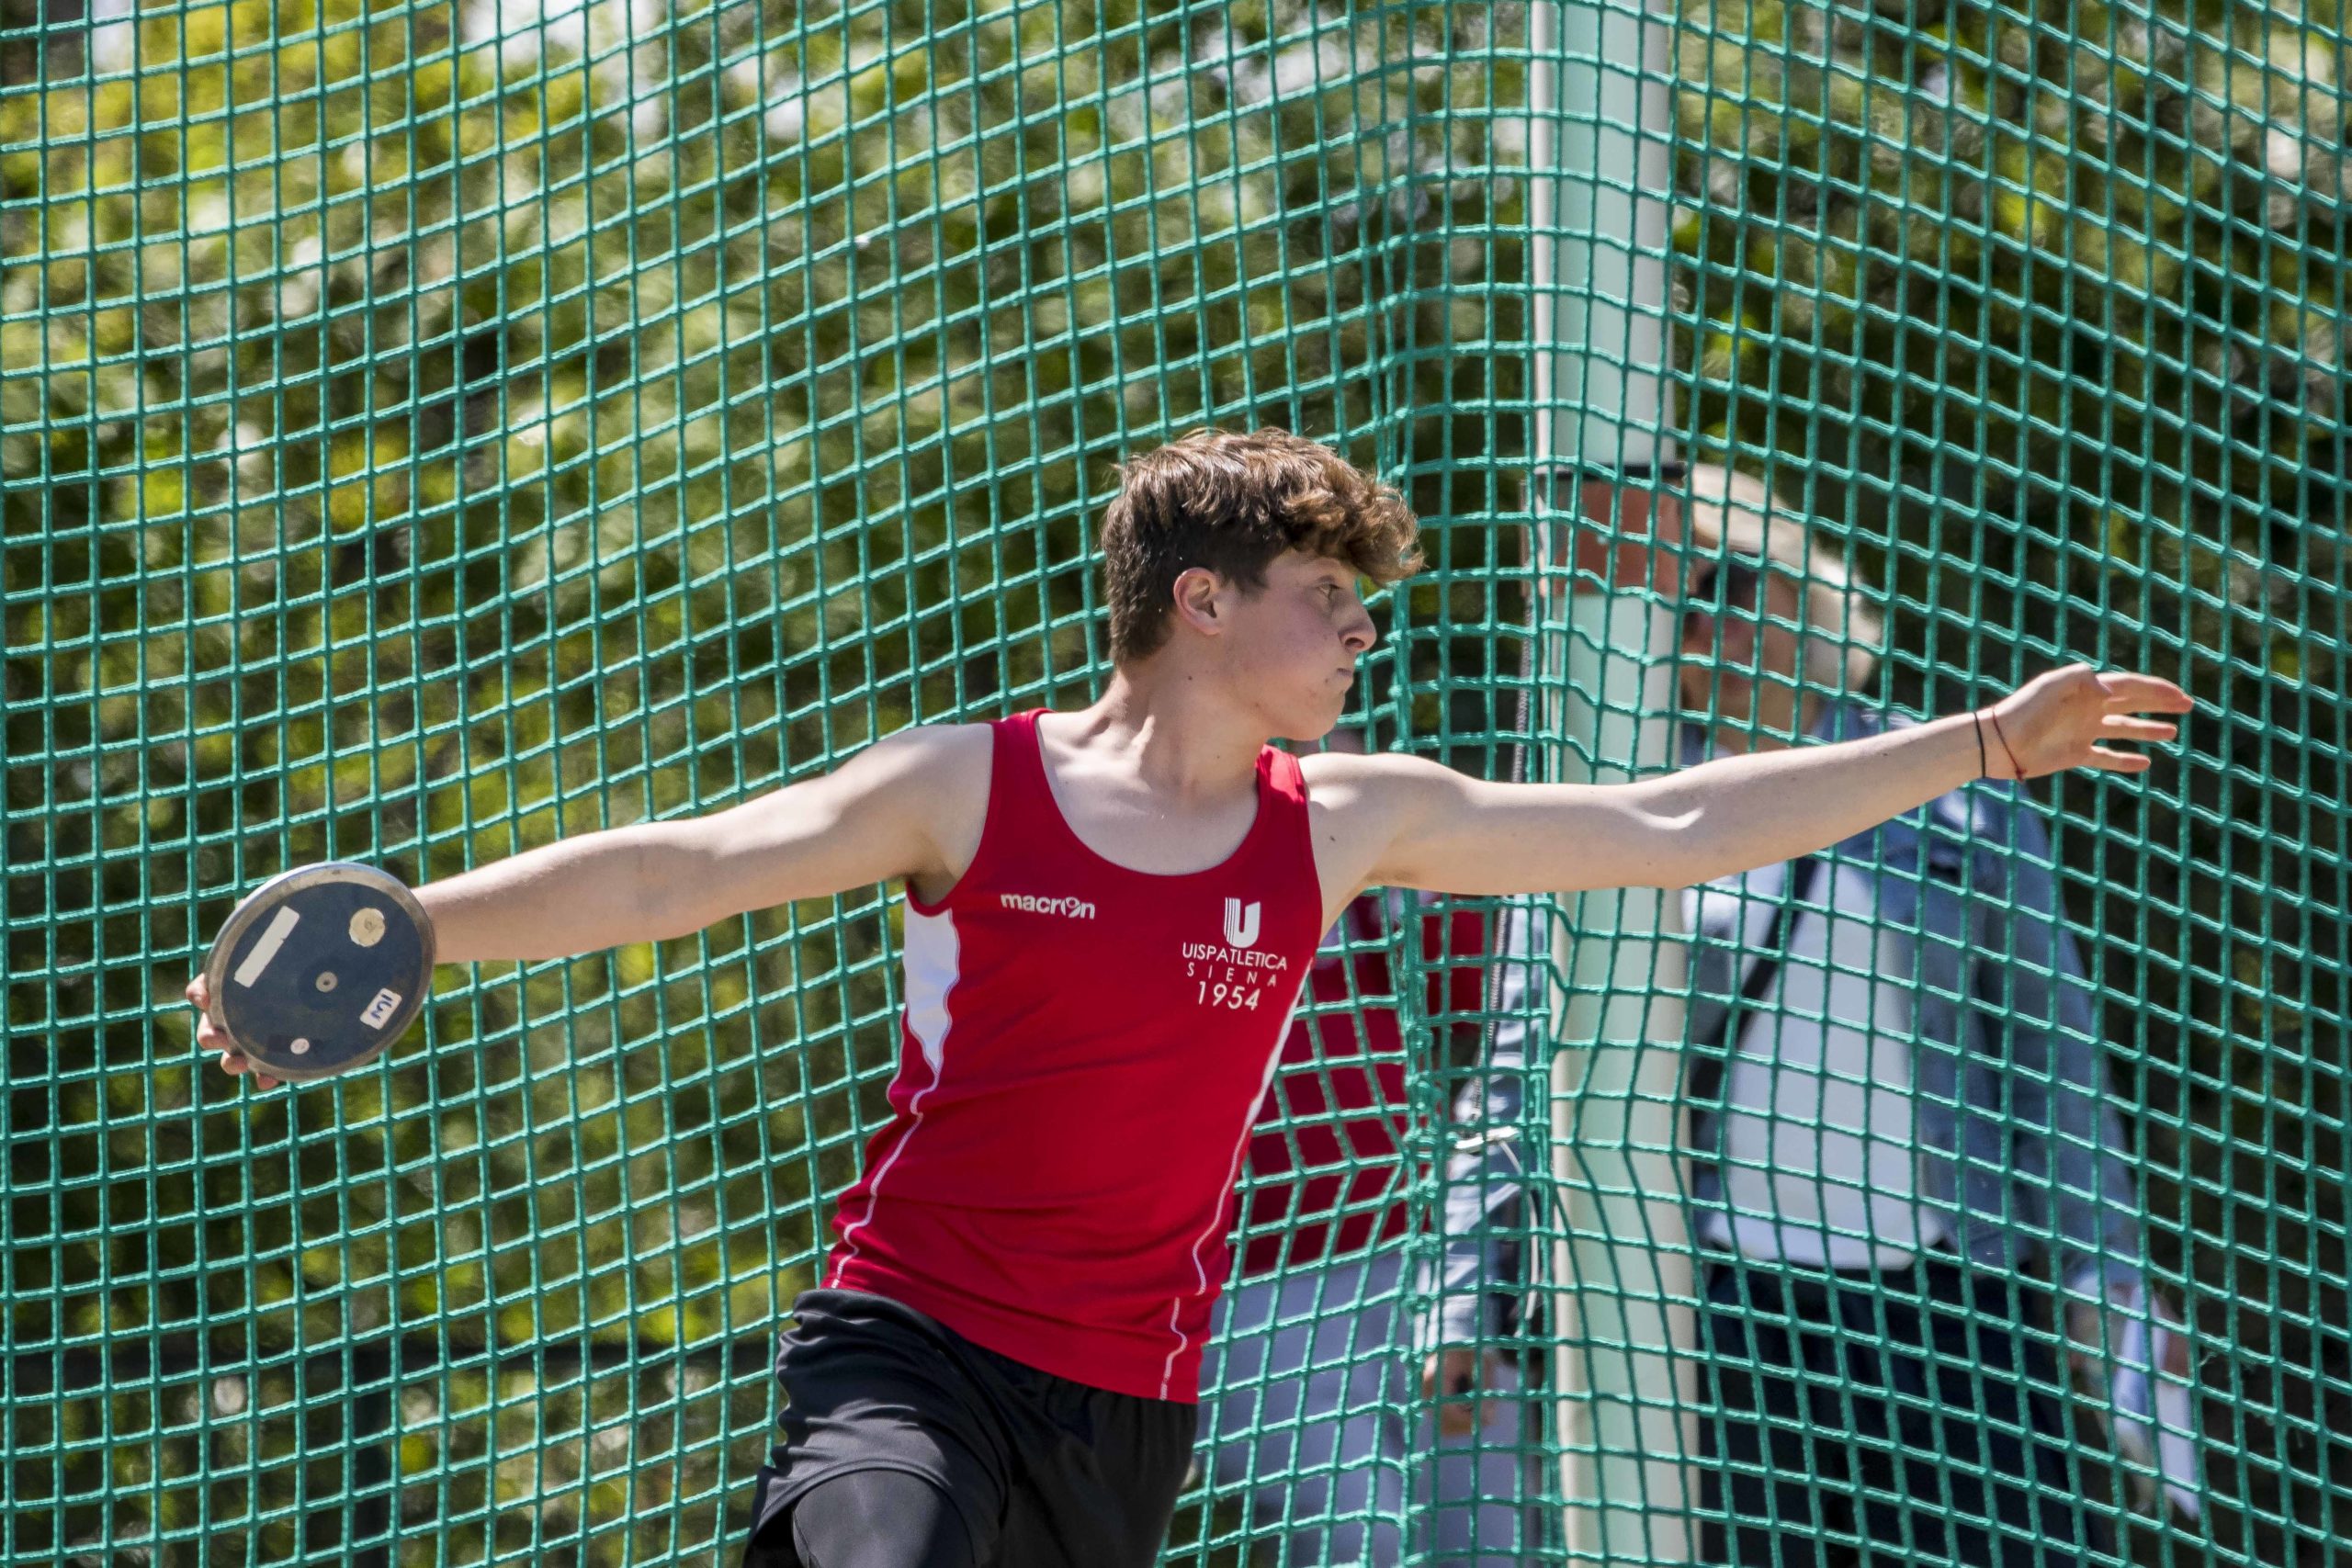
(1405, 822)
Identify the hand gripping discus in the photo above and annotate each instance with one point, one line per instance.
(319, 970)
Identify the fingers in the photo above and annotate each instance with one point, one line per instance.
(2118, 727)
(236, 1064)
(2146, 694)
(2118, 689)
(209, 1037)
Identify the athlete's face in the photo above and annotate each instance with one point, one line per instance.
(1297, 640)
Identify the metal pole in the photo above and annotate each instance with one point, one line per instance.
(1600, 96)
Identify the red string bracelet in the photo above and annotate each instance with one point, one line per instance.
(2017, 769)
(1984, 769)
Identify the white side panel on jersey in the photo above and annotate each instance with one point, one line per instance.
(930, 954)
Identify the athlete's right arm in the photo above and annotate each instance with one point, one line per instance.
(908, 807)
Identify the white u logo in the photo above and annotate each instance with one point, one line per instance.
(1242, 922)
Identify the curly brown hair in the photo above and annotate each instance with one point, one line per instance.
(1231, 504)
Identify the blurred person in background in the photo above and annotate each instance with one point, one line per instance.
(1306, 1387)
(1909, 1161)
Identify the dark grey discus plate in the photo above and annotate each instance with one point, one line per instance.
(321, 969)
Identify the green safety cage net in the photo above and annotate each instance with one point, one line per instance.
(428, 429)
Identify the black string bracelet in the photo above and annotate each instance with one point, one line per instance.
(2017, 769)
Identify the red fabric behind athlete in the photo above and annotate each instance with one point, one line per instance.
(1340, 1097)
(1084, 1048)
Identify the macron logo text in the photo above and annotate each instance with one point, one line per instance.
(1030, 904)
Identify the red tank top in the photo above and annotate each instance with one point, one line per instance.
(1082, 1054)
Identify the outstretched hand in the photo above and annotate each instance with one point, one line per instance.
(2070, 718)
(210, 1038)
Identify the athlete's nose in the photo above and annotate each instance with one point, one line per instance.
(1359, 634)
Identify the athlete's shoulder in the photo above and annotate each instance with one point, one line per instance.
(1360, 806)
(936, 748)
(935, 777)
(1373, 794)
(1356, 777)
(926, 768)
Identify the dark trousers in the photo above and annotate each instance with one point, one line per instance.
(1901, 1418)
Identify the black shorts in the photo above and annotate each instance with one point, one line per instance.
(1044, 1470)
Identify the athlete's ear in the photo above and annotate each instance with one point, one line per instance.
(1200, 600)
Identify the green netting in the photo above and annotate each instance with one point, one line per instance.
(428, 429)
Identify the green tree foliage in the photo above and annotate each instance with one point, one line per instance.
(428, 429)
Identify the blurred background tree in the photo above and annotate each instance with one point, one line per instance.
(428, 429)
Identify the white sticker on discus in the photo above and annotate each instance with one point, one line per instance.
(383, 1008)
(272, 937)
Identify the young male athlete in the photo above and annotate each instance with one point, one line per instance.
(1109, 913)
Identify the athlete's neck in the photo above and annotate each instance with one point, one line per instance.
(1175, 734)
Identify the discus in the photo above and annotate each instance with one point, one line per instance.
(320, 969)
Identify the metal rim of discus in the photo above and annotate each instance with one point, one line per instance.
(263, 902)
